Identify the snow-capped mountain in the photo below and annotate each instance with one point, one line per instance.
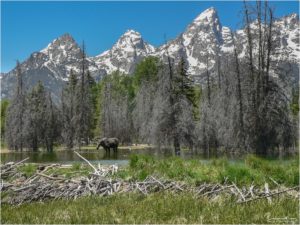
(125, 54)
(202, 39)
(51, 65)
(205, 38)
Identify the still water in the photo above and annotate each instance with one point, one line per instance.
(100, 156)
(68, 156)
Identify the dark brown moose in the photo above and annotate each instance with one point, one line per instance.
(108, 143)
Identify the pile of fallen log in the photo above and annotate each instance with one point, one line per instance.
(42, 187)
(245, 194)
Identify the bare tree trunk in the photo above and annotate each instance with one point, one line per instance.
(20, 97)
(260, 53)
(239, 94)
(253, 99)
(208, 81)
(269, 49)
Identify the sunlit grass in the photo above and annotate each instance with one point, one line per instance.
(155, 208)
(252, 170)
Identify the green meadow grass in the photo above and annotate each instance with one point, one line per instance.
(155, 208)
(253, 169)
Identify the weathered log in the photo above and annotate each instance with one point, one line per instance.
(14, 165)
(269, 195)
(238, 190)
(96, 171)
(49, 177)
(268, 192)
(217, 191)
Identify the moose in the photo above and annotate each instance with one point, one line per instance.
(108, 143)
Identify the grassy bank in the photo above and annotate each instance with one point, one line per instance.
(252, 169)
(166, 207)
(156, 208)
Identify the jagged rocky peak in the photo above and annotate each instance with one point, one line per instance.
(62, 48)
(209, 15)
(206, 27)
(132, 40)
(125, 53)
(65, 39)
(201, 39)
(129, 40)
(132, 34)
(207, 20)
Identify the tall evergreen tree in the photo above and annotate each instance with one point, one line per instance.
(35, 125)
(184, 104)
(174, 107)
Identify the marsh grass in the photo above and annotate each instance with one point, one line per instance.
(28, 169)
(253, 170)
(155, 208)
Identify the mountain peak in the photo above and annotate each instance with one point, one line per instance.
(131, 33)
(66, 37)
(62, 49)
(64, 40)
(130, 38)
(207, 15)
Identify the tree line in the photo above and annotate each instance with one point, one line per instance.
(34, 121)
(242, 105)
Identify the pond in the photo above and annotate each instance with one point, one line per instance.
(68, 156)
(100, 156)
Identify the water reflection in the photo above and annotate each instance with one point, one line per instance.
(100, 156)
(68, 156)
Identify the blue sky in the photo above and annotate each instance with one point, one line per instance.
(30, 26)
